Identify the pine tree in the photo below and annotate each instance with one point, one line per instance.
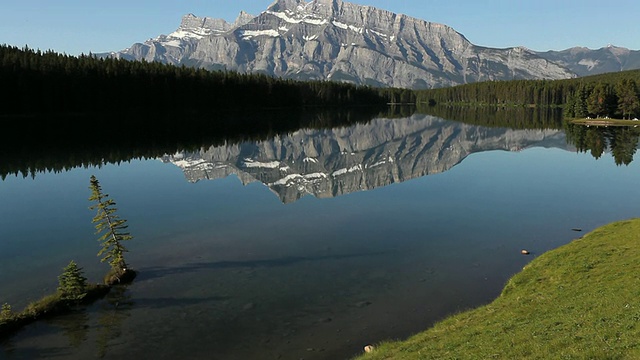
(72, 284)
(112, 228)
(570, 107)
(580, 107)
(628, 100)
(5, 312)
(597, 101)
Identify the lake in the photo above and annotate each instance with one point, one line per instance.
(310, 244)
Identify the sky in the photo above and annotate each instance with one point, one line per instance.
(77, 27)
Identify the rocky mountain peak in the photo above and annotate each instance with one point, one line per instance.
(341, 41)
(242, 19)
(618, 51)
(202, 25)
(326, 7)
(284, 5)
(584, 61)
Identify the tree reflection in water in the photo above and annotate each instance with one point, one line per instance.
(114, 311)
(621, 141)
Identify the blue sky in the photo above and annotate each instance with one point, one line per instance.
(83, 26)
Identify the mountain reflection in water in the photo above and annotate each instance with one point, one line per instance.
(331, 162)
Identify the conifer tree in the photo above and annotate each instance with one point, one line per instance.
(111, 226)
(72, 284)
(5, 312)
(628, 100)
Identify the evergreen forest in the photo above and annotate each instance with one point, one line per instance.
(37, 82)
(614, 95)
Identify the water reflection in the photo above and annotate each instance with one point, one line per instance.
(114, 311)
(331, 162)
(227, 271)
(75, 327)
(515, 117)
(59, 150)
(621, 141)
(162, 271)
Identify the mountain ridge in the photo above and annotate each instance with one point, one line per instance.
(584, 61)
(341, 41)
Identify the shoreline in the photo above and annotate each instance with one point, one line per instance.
(53, 304)
(48, 306)
(605, 122)
(579, 299)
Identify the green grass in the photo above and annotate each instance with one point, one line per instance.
(49, 305)
(579, 301)
(605, 122)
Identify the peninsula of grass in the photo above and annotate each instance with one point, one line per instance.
(579, 301)
(605, 122)
(48, 306)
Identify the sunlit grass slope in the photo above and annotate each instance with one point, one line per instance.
(580, 301)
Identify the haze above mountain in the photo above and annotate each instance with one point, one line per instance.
(337, 40)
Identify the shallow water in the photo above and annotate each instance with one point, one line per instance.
(316, 267)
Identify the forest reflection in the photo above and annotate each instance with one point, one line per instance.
(621, 141)
(53, 147)
(514, 117)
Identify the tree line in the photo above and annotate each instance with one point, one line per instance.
(606, 95)
(49, 82)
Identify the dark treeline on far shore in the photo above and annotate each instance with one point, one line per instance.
(37, 82)
(606, 95)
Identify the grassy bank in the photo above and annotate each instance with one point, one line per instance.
(605, 122)
(580, 301)
(48, 306)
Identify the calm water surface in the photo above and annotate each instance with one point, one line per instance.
(309, 245)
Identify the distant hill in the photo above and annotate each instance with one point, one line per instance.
(583, 61)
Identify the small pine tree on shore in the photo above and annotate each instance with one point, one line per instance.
(5, 312)
(112, 228)
(72, 283)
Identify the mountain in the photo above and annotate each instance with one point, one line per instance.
(175, 47)
(584, 61)
(337, 40)
(329, 163)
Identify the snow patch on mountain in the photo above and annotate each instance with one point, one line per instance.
(248, 34)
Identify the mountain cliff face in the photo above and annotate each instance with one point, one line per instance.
(336, 40)
(584, 61)
(175, 47)
(329, 163)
